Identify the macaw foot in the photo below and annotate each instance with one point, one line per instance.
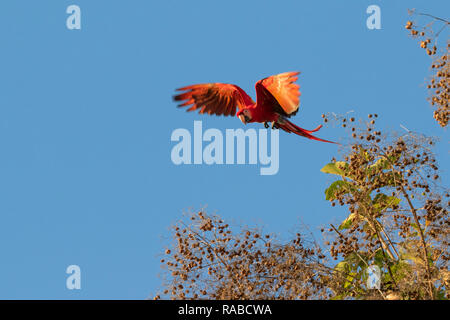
(274, 125)
(266, 125)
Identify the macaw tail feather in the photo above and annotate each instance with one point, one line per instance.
(290, 127)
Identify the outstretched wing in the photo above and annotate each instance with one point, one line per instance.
(283, 92)
(214, 98)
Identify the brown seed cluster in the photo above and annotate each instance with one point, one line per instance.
(439, 83)
(440, 88)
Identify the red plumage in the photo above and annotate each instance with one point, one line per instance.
(277, 99)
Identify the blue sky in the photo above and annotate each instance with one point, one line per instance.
(86, 118)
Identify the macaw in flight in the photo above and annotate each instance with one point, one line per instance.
(277, 99)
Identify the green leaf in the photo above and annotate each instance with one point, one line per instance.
(339, 185)
(380, 259)
(382, 202)
(348, 283)
(348, 222)
(342, 267)
(383, 162)
(364, 153)
(356, 260)
(337, 168)
(349, 279)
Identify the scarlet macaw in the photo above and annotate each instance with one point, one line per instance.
(277, 98)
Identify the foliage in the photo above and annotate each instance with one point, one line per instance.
(398, 218)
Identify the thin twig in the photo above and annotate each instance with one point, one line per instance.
(434, 17)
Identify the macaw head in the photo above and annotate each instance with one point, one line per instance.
(245, 115)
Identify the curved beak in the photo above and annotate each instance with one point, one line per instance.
(241, 116)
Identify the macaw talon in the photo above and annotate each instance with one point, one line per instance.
(274, 125)
(266, 125)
